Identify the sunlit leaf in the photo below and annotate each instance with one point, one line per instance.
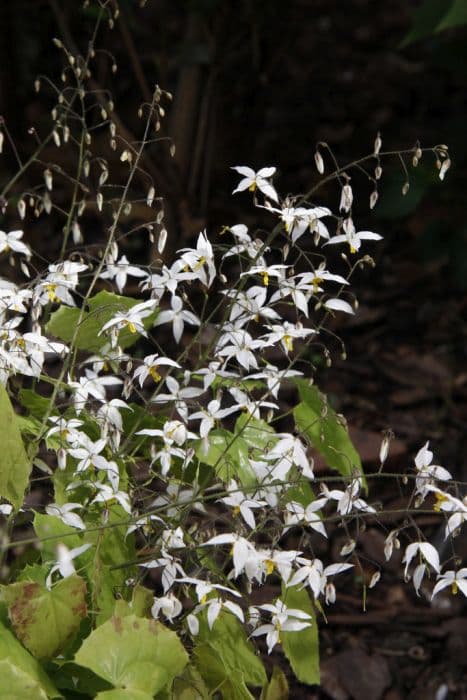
(15, 467)
(133, 653)
(15, 656)
(228, 454)
(46, 621)
(277, 688)
(102, 307)
(325, 430)
(226, 658)
(16, 684)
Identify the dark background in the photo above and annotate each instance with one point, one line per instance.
(260, 83)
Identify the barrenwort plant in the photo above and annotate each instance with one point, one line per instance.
(178, 480)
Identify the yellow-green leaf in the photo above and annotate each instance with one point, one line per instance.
(46, 621)
(133, 653)
(326, 431)
(302, 647)
(15, 467)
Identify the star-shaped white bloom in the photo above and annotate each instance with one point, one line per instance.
(283, 619)
(11, 242)
(178, 316)
(256, 180)
(456, 579)
(353, 237)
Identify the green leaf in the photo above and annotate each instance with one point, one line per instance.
(228, 454)
(36, 405)
(50, 530)
(71, 678)
(277, 688)
(434, 16)
(325, 430)
(15, 467)
(46, 621)
(16, 684)
(117, 694)
(302, 648)
(133, 653)
(225, 658)
(189, 686)
(14, 654)
(255, 432)
(102, 307)
(111, 550)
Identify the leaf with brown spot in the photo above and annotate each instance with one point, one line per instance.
(134, 654)
(46, 621)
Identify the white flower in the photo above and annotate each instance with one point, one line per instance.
(348, 500)
(245, 244)
(66, 514)
(252, 181)
(209, 415)
(240, 345)
(90, 385)
(298, 514)
(274, 377)
(263, 562)
(150, 368)
(179, 395)
(289, 451)
(241, 549)
(64, 563)
(241, 504)
(213, 605)
(286, 333)
(298, 219)
(450, 504)
(178, 316)
(456, 579)
(314, 575)
(427, 472)
(67, 429)
(250, 406)
(201, 260)
(426, 551)
(131, 319)
(89, 454)
(352, 237)
(119, 271)
(346, 198)
(169, 605)
(11, 241)
(108, 494)
(283, 619)
(338, 305)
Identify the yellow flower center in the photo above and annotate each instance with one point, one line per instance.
(352, 249)
(265, 277)
(454, 587)
(288, 342)
(236, 511)
(131, 327)
(199, 264)
(252, 187)
(440, 498)
(270, 566)
(50, 289)
(316, 282)
(155, 374)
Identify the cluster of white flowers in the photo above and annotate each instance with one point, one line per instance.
(265, 315)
